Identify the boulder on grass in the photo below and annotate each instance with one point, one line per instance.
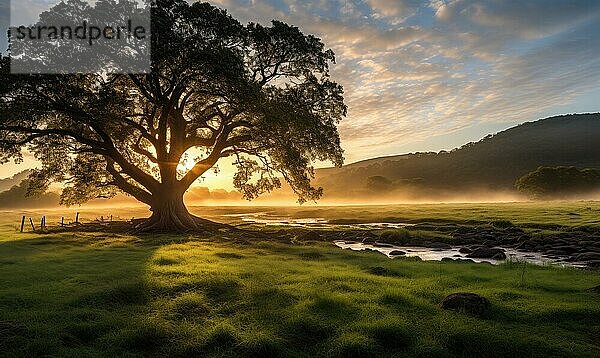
(588, 256)
(499, 256)
(439, 245)
(465, 250)
(397, 253)
(382, 244)
(368, 237)
(487, 253)
(469, 303)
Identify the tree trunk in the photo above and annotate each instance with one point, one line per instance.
(169, 214)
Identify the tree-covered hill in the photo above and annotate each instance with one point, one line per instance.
(16, 179)
(493, 163)
(16, 197)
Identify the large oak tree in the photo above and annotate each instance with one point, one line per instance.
(261, 95)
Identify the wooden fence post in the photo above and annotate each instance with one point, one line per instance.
(31, 222)
(62, 221)
(77, 218)
(22, 222)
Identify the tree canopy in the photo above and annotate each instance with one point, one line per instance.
(259, 94)
(559, 182)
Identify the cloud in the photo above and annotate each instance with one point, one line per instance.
(360, 41)
(4, 24)
(534, 19)
(527, 19)
(396, 9)
(413, 70)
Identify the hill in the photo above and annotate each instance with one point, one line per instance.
(15, 197)
(16, 179)
(492, 164)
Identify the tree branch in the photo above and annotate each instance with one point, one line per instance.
(127, 187)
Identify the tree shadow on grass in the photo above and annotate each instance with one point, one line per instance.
(67, 294)
(89, 293)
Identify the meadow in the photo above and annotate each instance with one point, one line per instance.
(91, 294)
(556, 214)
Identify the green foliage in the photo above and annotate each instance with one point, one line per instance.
(557, 182)
(218, 88)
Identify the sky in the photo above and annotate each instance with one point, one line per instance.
(433, 75)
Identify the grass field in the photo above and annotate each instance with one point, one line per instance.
(526, 214)
(94, 294)
(522, 214)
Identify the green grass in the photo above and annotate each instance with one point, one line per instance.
(525, 214)
(96, 295)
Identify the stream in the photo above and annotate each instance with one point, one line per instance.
(424, 253)
(432, 254)
(264, 218)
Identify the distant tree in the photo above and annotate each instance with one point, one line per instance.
(546, 182)
(379, 183)
(7, 183)
(16, 197)
(217, 89)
